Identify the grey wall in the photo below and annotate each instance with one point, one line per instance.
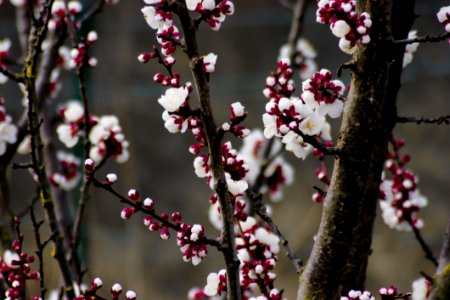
(161, 167)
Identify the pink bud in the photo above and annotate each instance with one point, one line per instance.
(133, 194)
(110, 178)
(89, 165)
(127, 213)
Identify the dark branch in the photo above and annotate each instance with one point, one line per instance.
(437, 121)
(11, 75)
(260, 210)
(426, 249)
(425, 39)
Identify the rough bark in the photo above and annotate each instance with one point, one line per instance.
(441, 284)
(402, 17)
(339, 257)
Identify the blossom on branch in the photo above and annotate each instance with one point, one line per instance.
(401, 199)
(295, 118)
(304, 55)
(410, 49)
(69, 176)
(108, 140)
(352, 28)
(5, 46)
(8, 131)
(444, 17)
(276, 172)
(358, 295)
(214, 14)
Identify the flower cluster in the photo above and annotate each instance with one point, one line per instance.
(303, 54)
(352, 28)
(401, 199)
(444, 17)
(79, 55)
(69, 176)
(5, 45)
(108, 140)
(15, 270)
(410, 49)
(214, 14)
(189, 239)
(234, 166)
(295, 119)
(159, 17)
(106, 136)
(257, 252)
(271, 171)
(115, 290)
(238, 114)
(60, 11)
(70, 130)
(8, 131)
(358, 295)
(176, 108)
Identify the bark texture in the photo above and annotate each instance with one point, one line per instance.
(339, 258)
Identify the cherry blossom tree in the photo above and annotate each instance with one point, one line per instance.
(370, 166)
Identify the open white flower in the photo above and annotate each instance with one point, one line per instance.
(73, 111)
(174, 98)
(236, 187)
(209, 62)
(10, 256)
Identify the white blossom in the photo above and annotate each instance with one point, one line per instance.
(209, 62)
(174, 98)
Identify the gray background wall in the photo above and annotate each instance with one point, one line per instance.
(161, 167)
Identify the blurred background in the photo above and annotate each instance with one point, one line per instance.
(160, 165)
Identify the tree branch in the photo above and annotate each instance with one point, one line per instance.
(441, 282)
(425, 39)
(214, 146)
(426, 249)
(260, 210)
(438, 121)
(11, 75)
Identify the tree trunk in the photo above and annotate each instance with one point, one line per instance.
(339, 257)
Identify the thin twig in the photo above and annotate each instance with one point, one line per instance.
(438, 121)
(214, 147)
(39, 251)
(260, 210)
(11, 75)
(425, 39)
(426, 249)
(35, 49)
(138, 206)
(97, 8)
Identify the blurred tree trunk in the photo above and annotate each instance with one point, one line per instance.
(339, 258)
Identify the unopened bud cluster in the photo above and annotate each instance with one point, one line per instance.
(15, 270)
(116, 291)
(79, 55)
(358, 295)
(190, 238)
(61, 13)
